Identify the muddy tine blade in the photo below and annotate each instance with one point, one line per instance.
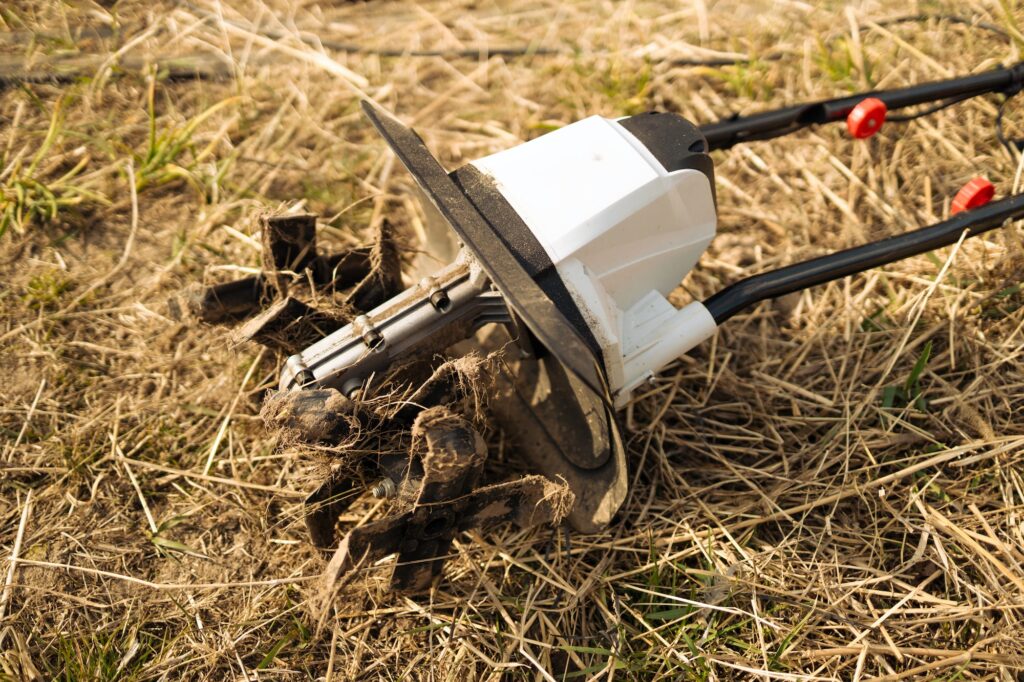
(342, 270)
(228, 302)
(385, 278)
(452, 463)
(289, 245)
(454, 457)
(325, 415)
(290, 324)
(451, 457)
(528, 501)
(321, 415)
(449, 383)
(361, 546)
(325, 505)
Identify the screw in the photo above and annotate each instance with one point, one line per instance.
(351, 388)
(439, 299)
(436, 294)
(373, 339)
(385, 488)
(371, 335)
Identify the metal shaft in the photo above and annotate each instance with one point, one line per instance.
(423, 319)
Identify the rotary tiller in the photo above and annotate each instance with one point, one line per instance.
(565, 248)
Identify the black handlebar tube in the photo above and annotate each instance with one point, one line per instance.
(787, 280)
(769, 124)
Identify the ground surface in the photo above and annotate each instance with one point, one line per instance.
(830, 488)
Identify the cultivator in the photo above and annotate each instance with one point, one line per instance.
(554, 308)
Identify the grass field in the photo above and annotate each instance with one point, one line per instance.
(831, 488)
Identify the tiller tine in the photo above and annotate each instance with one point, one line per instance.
(446, 504)
(275, 316)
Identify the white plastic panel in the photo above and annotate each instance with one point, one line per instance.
(655, 244)
(677, 332)
(622, 232)
(559, 183)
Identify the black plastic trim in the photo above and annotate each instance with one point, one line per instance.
(676, 143)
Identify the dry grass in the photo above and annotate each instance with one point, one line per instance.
(797, 512)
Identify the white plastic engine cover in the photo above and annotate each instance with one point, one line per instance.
(622, 232)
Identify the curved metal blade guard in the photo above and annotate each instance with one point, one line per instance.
(555, 403)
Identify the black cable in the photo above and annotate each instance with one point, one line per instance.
(951, 18)
(939, 106)
(1009, 145)
(800, 276)
(21, 75)
(60, 72)
(730, 131)
(777, 122)
(725, 61)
